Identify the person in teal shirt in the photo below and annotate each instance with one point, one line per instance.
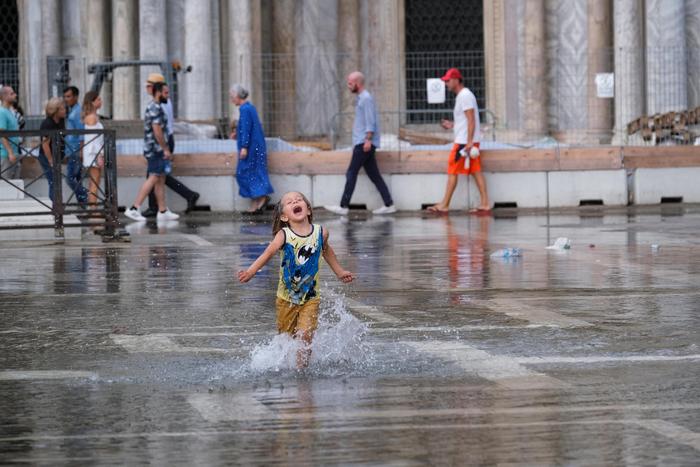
(9, 147)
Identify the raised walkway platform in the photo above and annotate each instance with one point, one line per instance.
(555, 177)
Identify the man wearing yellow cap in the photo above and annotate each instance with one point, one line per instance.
(171, 182)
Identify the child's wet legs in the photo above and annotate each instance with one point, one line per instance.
(304, 352)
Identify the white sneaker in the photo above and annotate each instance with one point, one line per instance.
(337, 210)
(134, 214)
(168, 215)
(385, 210)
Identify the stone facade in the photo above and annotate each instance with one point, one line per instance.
(541, 59)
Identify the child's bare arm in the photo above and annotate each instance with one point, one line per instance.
(270, 251)
(329, 256)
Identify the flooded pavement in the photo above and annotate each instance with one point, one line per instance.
(152, 353)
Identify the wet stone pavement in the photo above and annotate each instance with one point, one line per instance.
(152, 353)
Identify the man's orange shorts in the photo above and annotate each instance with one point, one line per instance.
(457, 168)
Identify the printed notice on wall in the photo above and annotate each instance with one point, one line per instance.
(605, 84)
(436, 91)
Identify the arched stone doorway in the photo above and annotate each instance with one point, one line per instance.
(441, 34)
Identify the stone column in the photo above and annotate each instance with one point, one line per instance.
(383, 64)
(533, 84)
(217, 67)
(282, 67)
(629, 65)
(74, 40)
(175, 26)
(125, 86)
(97, 27)
(567, 46)
(316, 72)
(152, 41)
(599, 61)
(50, 38)
(495, 58)
(349, 60)
(198, 85)
(692, 37)
(667, 79)
(243, 55)
(31, 58)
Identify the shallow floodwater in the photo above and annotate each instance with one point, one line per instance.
(152, 353)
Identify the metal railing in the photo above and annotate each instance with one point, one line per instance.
(398, 123)
(102, 214)
(298, 94)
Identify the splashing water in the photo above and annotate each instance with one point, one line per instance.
(338, 342)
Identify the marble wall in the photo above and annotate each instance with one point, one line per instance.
(541, 61)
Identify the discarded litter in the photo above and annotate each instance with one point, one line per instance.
(562, 243)
(507, 253)
(655, 247)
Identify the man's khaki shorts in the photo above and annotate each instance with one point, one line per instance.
(294, 318)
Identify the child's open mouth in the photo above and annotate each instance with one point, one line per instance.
(297, 209)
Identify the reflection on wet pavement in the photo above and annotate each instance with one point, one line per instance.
(151, 352)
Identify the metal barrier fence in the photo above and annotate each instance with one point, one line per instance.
(303, 96)
(95, 206)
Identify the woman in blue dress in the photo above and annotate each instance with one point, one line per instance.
(251, 172)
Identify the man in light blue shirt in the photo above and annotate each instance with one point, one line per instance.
(365, 141)
(74, 144)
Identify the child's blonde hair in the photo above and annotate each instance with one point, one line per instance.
(277, 222)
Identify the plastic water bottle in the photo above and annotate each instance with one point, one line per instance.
(168, 167)
(562, 243)
(463, 153)
(507, 253)
(474, 152)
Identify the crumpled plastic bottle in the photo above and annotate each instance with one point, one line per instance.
(507, 253)
(561, 243)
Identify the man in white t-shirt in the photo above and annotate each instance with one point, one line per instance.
(463, 159)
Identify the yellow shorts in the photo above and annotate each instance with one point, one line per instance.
(293, 318)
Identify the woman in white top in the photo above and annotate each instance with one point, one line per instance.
(93, 148)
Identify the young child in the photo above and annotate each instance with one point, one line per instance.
(302, 243)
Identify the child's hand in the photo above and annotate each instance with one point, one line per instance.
(346, 277)
(245, 276)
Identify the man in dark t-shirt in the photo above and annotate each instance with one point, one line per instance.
(48, 153)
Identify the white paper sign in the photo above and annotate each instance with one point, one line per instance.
(436, 91)
(605, 84)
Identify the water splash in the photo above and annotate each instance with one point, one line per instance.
(339, 343)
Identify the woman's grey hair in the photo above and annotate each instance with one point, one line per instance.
(239, 91)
